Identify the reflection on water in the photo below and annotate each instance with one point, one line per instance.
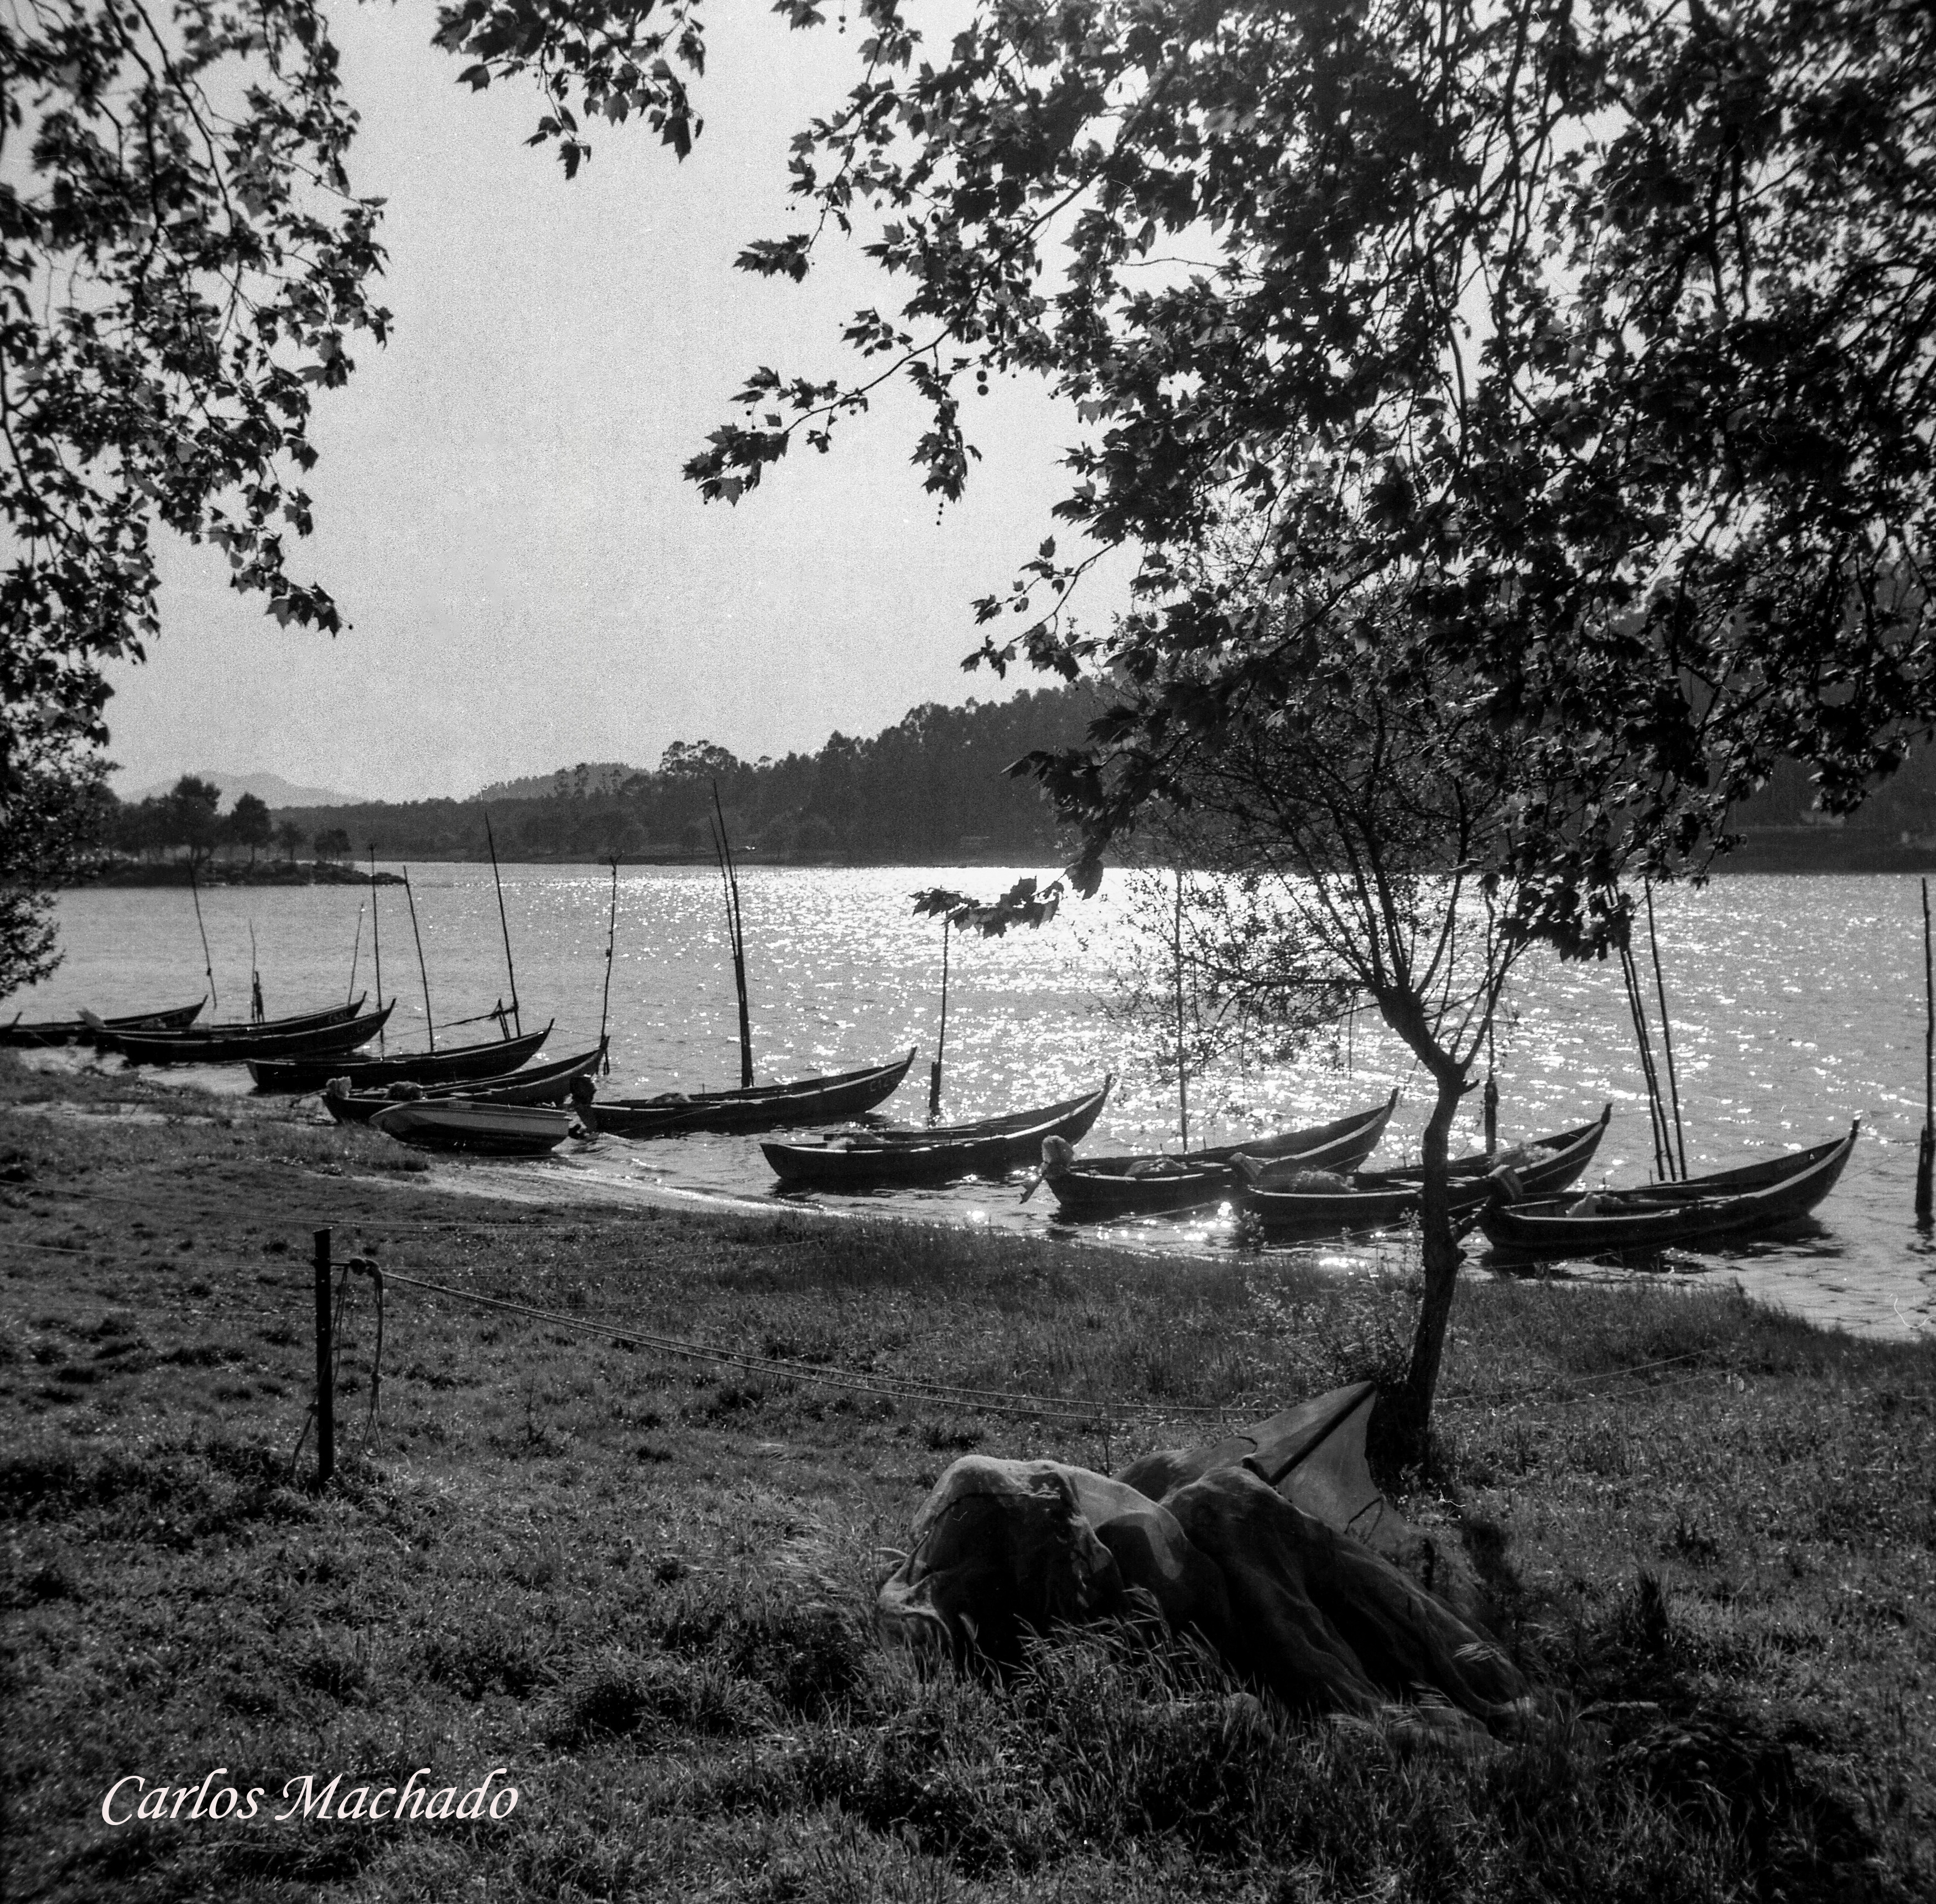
(1796, 1005)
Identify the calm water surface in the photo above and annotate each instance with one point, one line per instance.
(1796, 1005)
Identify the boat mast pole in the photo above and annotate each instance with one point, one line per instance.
(430, 1023)
(736, 925)
(1925, 1150)
(376, 942)
(207, 960)
(1663, 1155)
(516, 1016)
(1182, 1070)
(355, 953)
(1666, 1031)
(941, 1040)
(611, 941)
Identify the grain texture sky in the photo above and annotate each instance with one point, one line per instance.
(499, 508)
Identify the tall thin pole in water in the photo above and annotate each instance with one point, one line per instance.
(1663, 1151)
(611, 941)
(1925, 1150)
(430, 1023)
(1666, 1031)
(736, 925)
(1491, 1099)
(376, 944)
(207, 960)
(1182, 1068)
(941, 1041)
(517, 1017)
(256, 1014)
(355, 953)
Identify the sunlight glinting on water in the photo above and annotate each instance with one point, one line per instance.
(1795, 1003)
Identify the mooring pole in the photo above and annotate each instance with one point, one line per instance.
(423, 970)
(1492, 1096)
(1663, 1148)
(1666, 1031)
(1182, 1068)
(941, 1040)
(207, 960)
(325, 1368)
(376, 941)
(736, 922)
(256, 1013)
(517, 1017)
(1925, 1150)
(355, 953)
(611, 941)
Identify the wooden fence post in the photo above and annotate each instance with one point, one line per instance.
(325, 1368)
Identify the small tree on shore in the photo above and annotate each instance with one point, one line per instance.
(291, 840)
(193, 818)
(333, 842)
(249, 825)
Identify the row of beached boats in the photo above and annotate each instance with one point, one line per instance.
(488, 1097)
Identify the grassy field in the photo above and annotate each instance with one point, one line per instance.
(641, 1583)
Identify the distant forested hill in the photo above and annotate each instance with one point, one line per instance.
(1893, 830)
(931, 789)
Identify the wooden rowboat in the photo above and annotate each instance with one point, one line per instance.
(318, 1043)
(990, 1147)
(537, 1084)
(760, 1107)
(1729, 1204)
(1099, 1189)
(458, 1063)
(461, 1123)
(109, 1033)
(85, 1031)
(1379, 1199)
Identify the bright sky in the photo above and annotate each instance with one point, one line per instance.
(499, 508)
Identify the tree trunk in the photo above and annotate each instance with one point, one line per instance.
(1407, 1436)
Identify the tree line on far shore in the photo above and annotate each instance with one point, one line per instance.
(186, 824)
(931, 789)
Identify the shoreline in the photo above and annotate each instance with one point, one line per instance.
(643, 1584)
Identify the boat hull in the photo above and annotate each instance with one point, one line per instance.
(87, 1031)
(349, 1035)
(764, 1107)
(542, 1084)
(460, 1064)
(110, 1033)
(1381, 1201)
(993, 1148)
(1730, 1206)
(462, 1125)
(1101, 1189)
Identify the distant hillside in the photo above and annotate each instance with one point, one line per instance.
(1893, 830)
(932, 789)
(271, 788)
(587, 777)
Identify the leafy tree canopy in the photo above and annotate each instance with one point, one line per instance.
(1603, 334)
(183, 266)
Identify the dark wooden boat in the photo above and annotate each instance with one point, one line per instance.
(991, 1147)
(85, 1031)
(109, 1034)
(465, 1125)
(760, 1107)
(1379, 1199)
(317, 1043)
(1729, 1204)
(1099, 1189)
(537, 1084)
(458, 1063)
